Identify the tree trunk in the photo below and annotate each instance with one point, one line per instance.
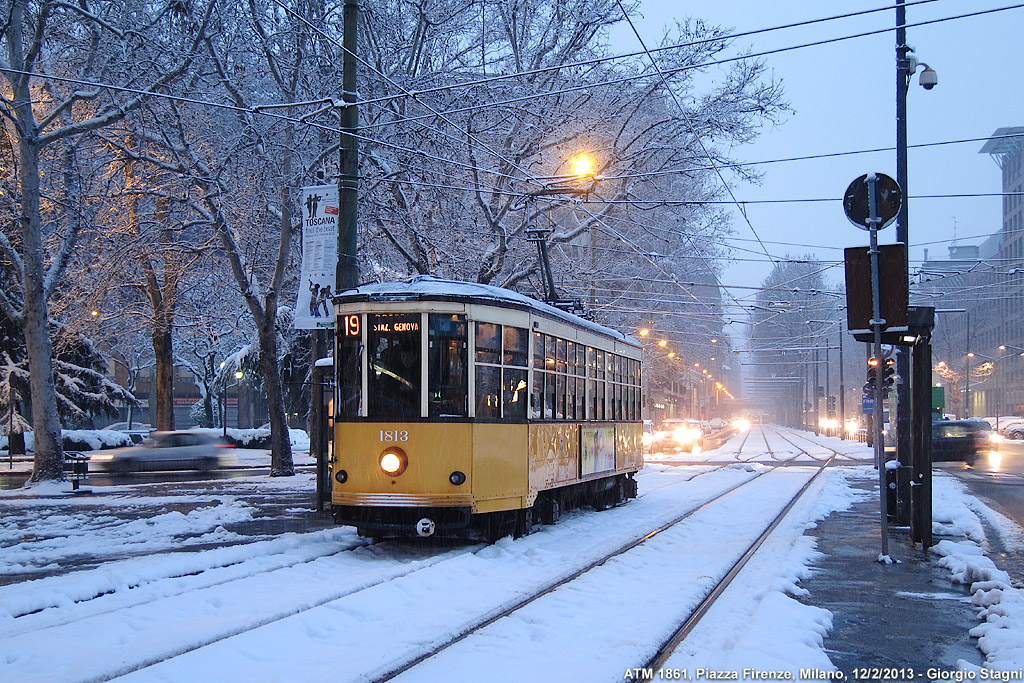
(47, 463)
(281, 464)
(164, 376)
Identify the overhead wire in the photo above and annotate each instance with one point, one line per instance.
(259, 109)
(263, 109)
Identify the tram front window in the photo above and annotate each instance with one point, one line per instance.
(394, 366)
(446, 366)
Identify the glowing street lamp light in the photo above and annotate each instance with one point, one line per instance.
(583, 165)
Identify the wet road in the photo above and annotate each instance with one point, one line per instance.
(998, 477)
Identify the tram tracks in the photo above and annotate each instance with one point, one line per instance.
(668, 647)
(568, 582)
(327, 591)
(478, 601)
(222, 619)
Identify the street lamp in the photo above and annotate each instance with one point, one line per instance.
(995, 371)
(583, 169)
(967, 390)
(223, 402)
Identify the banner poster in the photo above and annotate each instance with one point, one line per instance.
(597, 449)
(314, 310)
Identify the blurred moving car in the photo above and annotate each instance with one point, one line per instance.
(956, 440)
(679, 435)
(164, 451)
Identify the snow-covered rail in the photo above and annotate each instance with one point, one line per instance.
(438, 658)
(657, 662)
(419, 613)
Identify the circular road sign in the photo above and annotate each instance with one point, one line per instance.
(887, 204)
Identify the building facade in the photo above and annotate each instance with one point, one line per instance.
(978, 292)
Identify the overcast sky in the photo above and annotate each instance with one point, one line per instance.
(843, 95)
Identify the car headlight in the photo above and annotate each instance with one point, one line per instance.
(994, 438)
(101, 457)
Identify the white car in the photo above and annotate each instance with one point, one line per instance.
(163, 451)
(679, 435)
(1015, 431)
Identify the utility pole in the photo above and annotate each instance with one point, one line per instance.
(902, 423)
(347, 275)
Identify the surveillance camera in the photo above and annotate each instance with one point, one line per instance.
(929, 79)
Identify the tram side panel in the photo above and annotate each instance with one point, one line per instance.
(501, 476)
(629, 453)
(554, 456)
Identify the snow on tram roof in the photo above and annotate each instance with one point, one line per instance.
(429, 287)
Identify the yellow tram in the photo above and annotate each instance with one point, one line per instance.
(469, 410)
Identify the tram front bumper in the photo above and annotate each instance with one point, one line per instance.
(373, 520)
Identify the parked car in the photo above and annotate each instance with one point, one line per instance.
(163, 451)
(679, 435)
(956, 440)
(138, 432)
(1014, 431)
(1001, 422)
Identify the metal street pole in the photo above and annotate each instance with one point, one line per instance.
(347, 274)
(902, 423)
(842, 387)
(876, 327)
(967, 399)
(815, 416)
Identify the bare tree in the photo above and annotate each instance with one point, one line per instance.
(55, 55)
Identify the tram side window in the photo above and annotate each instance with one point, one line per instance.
(394, 365)
(447, 380)
(549, 377)
(349, 365)
(488, 370)
(599, 395)
(543, 397)
(515, 357)
(537, 397)
(502, 355)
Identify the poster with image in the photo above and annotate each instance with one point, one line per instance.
(597, 450)
(313, 308)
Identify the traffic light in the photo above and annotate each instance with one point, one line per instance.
(869, 386)
(888, 376)
(831, 405)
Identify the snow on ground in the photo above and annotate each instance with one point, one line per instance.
(324, 626)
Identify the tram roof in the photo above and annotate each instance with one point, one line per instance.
(430, 288)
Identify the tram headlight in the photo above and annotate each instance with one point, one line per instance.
(341, 476)
(457, 478)
(393, 461)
